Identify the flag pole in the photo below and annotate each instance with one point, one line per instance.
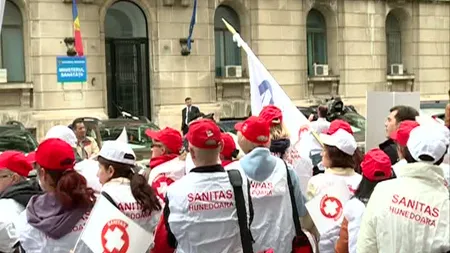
(233, 31)
(229, 27)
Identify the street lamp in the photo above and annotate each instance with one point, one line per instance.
(70, 44)
(184, 47)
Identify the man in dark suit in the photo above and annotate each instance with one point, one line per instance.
(188, 114)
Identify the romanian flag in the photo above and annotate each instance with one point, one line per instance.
(76, 29)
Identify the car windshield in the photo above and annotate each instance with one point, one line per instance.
(136, 134)
(358, 124)
(19, 140)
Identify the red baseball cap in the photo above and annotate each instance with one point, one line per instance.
(170, 137)
(204, 134)
(15, 161)
(229, 146)
(401, 135)
(55, 154)
(31, 157)
(272, 114)
(376, 161)
(339, 124)
(255, 129)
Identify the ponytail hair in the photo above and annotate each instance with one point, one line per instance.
(141, 190)
(71, 189)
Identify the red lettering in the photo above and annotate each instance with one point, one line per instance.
(402, 201)
(428, 210)
(128, 206)
(395, 199)
(229, 194)
(411, 204)
(190, 197)
(121, 207)
(435, 212)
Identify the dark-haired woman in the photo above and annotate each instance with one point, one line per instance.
(53, 221)
(376, 167)
(129, 190)
(337, 158)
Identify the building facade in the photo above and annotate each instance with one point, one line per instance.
(313, 48)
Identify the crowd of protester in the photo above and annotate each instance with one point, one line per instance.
(198, 196)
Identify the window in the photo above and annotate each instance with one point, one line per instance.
(393, 40)
(316, 36)
(11, 43)
(227, 52)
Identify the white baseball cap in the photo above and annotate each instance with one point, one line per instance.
(428, 139)
(64, 133)
(118, 151)
(340, 139)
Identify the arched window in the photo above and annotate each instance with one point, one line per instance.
(393, 40)
(227, 52)
(11, 43)
(316, 33)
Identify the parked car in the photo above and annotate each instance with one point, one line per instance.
(110, 129)
(227, 124)
(17, 137)
(435, 109)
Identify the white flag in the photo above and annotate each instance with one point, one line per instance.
(327, 208)
(265, 90)
(113, 232)
(2, 11)
(123, 137)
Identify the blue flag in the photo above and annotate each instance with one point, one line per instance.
(191, 25)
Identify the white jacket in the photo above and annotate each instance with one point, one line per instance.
(9, 211)
(34, 241)
(408, 214)
(353, 212)
(120, 191)
(320, 182)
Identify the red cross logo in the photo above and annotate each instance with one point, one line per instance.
(160, 184)
(115, 237)
(331, 207)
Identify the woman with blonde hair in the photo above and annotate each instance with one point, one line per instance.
(282, 147)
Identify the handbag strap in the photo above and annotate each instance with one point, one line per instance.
(297, 225)
(246, 237)
(108, 197)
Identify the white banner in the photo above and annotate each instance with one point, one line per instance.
(265, 90)
(2, 11)
(327, 208)
(114, 232)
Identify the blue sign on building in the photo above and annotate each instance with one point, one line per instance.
(71, 69)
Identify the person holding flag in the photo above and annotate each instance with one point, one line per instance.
(165, 165)
(53, 221)
(280, 145)
(126, 188)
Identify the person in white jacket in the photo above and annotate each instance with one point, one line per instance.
(128, 189)
(166, 165)
(376, 167)
(15, 193)
(411, 213)
(281, 146)
(400, 137)
(53, 221)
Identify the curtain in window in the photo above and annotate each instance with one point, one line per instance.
(393, 40)
(227, 52)
(12, 49)
(316, 40)
(11, 42)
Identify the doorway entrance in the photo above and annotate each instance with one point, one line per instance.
(127, 60)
